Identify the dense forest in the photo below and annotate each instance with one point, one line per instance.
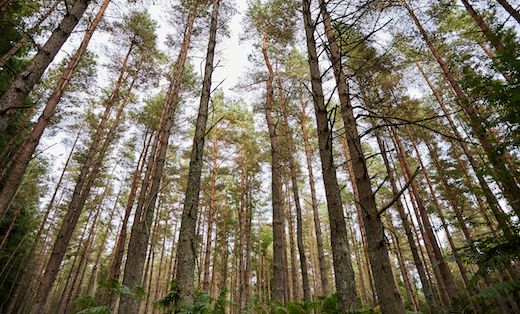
(259, 156)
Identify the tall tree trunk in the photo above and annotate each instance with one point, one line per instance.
(296, 196)
(439, 261)
(500, 216)
(345, 283)
(84, 183)
(186, 243)
(314, 203)
(426, 287)
(114, 271)
(497, 156)
(211, 214)
(27, 34)
(20, 88)
(23, 285)
(140, 235)
(292, 246)
(484, 27)
(510, 9)
(387, 293)
(278, 285)
(25, 152)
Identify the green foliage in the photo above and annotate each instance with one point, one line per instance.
(275, 18)
(89, 305)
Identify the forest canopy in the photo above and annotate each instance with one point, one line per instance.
(259, 156)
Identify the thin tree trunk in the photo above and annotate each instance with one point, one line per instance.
(439, 260)
(81, 192)
(211, 214)
(296, 196)
(510, 9)
(17, 92)
(497, 157)
(292, 246)
(186, 246)
(133, 274)
(114, 271)
(22, 286)
(314, 203)
(426, 287)
(345, 283)
(27, 35)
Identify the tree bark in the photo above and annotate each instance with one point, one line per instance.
(296, 196)
(186, 244)
(497, 157)
(211, 214)
(439, 261)
(510, 9)
(26, 36)
(345, 283)
(140, 235)
(278, 285)
(314, 203)
(387, 293)
(25, 152)
(427, 289)
(20, 88)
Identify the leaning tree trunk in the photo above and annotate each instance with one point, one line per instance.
(387, 293)
(140, 235)
(497, 156)
(20, 88)
(25, 152)
(27, 35)
(84, 183)
(427, 289)
(510, 9)
(345, 283)
(187, 242)
(279, 283)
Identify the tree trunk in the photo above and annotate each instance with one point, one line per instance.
(500, 216)
(25, 152)
(186, 243)
(15, 95)
(427, 289)
(24, 283)
(439, 261)
(211, 214)
(114, 271)
(509, 8)
(345, 283)
(26, 36)
(139, 237)
(497, 157)
(484, 27)
(84, 183)
(278, 281)
(387, 293)
(314, 203)
(296, 196)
